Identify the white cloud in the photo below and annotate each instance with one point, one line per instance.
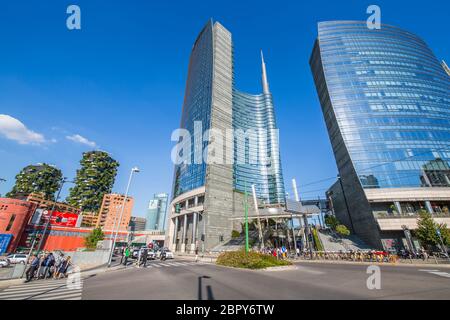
(13, 129)
(82, 140)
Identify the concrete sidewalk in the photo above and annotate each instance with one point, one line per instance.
(201, 258)
(85, 272)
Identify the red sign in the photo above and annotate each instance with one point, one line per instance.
(63, 219)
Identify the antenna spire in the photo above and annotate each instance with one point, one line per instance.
(265, 83)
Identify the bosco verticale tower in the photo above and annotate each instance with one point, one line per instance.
(94, 179)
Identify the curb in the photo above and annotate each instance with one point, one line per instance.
(98, 269)
(281, 268)
(365, 263)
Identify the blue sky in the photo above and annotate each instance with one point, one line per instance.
(119, 81)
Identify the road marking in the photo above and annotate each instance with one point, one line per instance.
(436, 272)
(442, 274)
(428, 270)
(42, 290)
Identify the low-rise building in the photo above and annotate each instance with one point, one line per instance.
(14, 216)
(137, 224)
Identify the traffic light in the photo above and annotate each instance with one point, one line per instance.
(203, 237)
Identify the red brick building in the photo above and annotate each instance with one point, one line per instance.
(14, 217)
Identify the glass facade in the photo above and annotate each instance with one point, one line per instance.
(386, 94)
(196, 107)
(250, 113)
(256, 154)
(157, 212)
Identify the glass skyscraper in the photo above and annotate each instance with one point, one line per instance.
(157, 212)
(386, 102)
(207, 194)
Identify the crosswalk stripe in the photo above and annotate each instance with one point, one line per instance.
(46, 286)
(35, 295)
(26, 290)
(30, 293)
(157, 266)
(76, 296)
(39, 284)
(57, 294)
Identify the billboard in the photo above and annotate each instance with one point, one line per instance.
(62, 219)
(5, 239)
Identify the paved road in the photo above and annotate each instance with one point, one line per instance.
(180, 279)
(308, 281)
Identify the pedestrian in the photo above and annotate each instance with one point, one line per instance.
(196, 254)
(297, 251)
(144, 257)
(424, 255)
(127, 254)
(63, 267)
(34, 265)
(49, 262)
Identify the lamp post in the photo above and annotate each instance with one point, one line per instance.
(133, 170)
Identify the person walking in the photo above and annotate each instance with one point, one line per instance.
(63, 268)
(32, 268)
(144, 257)
(196, 254)
(48, 264)
(127, 254)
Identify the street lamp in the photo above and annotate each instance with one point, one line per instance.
(133, 170)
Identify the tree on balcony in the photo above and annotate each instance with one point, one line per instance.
(94, 179)
(42, 178)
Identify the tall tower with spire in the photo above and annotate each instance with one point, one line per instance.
(265, 83)
(207, 195)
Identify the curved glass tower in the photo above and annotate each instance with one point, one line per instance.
(208, 191)
(386, 102)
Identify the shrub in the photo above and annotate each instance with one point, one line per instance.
(250, 260)
(331, 221)
(95, 236)
(235, 234)
(319, 246)
(342, 230)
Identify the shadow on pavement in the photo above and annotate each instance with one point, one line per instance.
(209, 293)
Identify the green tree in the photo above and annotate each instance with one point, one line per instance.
(94, 179)
(342, 230)
(331, 221)
(95, 236)
(41, 178)
(426, 229)
(445, 233)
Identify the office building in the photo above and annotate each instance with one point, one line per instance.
(137, 224)
(385, 100)
(209, 186)
(157, 212)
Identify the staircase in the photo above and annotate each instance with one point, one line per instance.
(334, 242)
(237, 243)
